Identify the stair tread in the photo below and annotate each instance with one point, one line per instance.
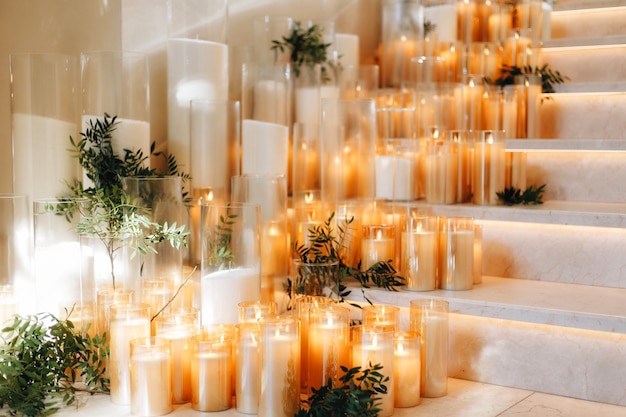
(539, 302)
(583, 42)
(579, 5)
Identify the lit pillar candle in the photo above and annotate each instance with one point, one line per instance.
(464, 164)
(179, 327)
(211, 372)
(407, 373)
(467, 21)
(429, 318)
(279, 386)
(419, 253)
(304, 306)
(106, 297)
(126, 322)
(329, 344)
(456, 253)
(441, 172)
(377, 245)
(489, 170)
(274, 257)
(150, 377)
(251, 313)
(372, 346)
(381, 316)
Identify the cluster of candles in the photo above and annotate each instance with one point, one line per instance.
(267, 363)
(430, 251)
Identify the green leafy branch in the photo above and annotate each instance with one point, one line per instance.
(306, 47)
(530, 196)
(219, 242)
(326, 246)
(358, 394)
(45, 361)
(549, 77)
(104, 207)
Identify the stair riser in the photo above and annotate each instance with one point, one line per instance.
(588, 23)
(566, 254)
(579, 176)
(556, 360)
(597, 64)
(567, 116)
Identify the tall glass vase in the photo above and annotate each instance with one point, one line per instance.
(161, 199)
(45, 113)
(215, 149)
(197, 65)
(269, 192)
(57, 266)
(117, 83)
(15, 257)
(402, 33)
(231, 261)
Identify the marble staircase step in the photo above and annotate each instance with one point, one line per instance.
(549, 337)
(551, 242)
(593, 61)
(567, 115)
(586, 19)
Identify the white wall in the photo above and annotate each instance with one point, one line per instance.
(72, 26)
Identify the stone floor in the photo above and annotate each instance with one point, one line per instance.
(464, 399)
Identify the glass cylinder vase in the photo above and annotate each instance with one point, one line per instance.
(402, 32)
(15, 255)
(231, 261)
(197, 65)
(420, 248)
(429, 318)
(117, 83)
(150, 376)
(45, 109)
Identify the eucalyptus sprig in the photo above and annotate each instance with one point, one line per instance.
(326, 246)
(531, 196)
(106, 211)
(45, 362)
(306, 48)
(549, 77)
(358, 394)
(219, 240)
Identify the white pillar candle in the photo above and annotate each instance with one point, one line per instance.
(211, 374)
(150, 377)
(196, 69)
(126, 322)
(429, 318)
(264, 148)
(420, 245)
(329, 345)
(407, 373)
(456, 253)
(377, 245)
(235, 285)
(247, 368)
(279, 387)
(371, 346)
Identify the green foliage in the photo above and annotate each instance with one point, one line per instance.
(429, 27)
(45, 361)
(326, 246)
(104, 207)
(219, 242)
(549, 77)
(306, 47)
(357, 395)
(513, 196)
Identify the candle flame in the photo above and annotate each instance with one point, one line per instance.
(309, 198)
(400, 347)
(379, 234)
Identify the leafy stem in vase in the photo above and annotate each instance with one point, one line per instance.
(326, 247)
(219, 244)
(106, 211)
(306, 48)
